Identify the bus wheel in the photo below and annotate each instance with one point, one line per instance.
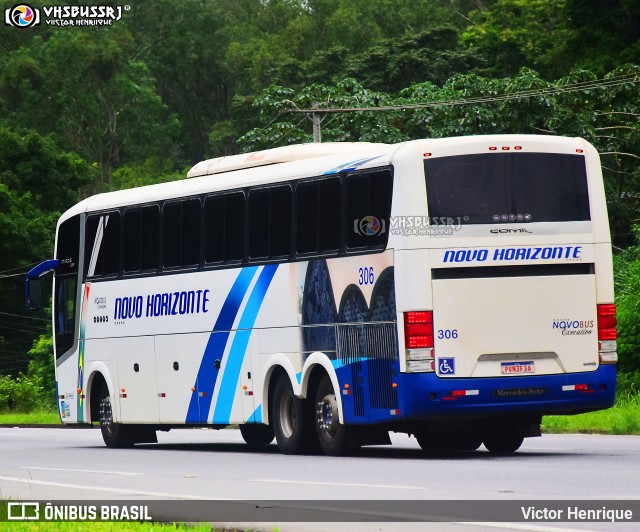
(289, 420)
(335, 439)
(503, 442)
(114, 435)
(257, 434)
(431, 443)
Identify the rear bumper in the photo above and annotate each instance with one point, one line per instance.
(425, 395)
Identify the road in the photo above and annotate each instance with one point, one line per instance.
(73, 464)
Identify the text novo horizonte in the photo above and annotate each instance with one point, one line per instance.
(523, 254)
(162, 304)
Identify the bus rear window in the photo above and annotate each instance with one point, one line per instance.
(508, 187)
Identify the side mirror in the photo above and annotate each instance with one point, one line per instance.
(34, 294)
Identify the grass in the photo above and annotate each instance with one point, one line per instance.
(38, 417)
(623, 418)
(102, 527)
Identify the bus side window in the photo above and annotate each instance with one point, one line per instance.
(141, 239)
(224, 228)
(102, 245)
(368, 198)
(65, 312)
(270, 222)
(181, 230)
(318, 216)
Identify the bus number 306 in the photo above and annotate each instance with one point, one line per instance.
(365, 276)
(447, 334)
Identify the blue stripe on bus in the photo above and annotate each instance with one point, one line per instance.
(229, 384)
(352, 165)
(206, 378)
(256, 417)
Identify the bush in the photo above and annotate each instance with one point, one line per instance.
(627, 284)
(21, 394)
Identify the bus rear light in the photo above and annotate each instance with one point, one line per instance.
(418, 317)
(608, 309)
(418, 329)
(609, 358)
(493, 148)
(418, 341)
(579, 150)
(607, 322)
(607, 346)
(517, 148)
(426, 154)
(505, 148)
(421, 366)
(607, 334)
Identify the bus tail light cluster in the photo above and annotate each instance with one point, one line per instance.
(418, 341)
(607, 334)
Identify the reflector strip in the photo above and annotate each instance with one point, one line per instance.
(458, 393)
(575, 387)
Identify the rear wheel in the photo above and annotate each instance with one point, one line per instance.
(446, 443)
(115, 435)
(335, 439)
(257, 434)
(292, 422)
(503, 442)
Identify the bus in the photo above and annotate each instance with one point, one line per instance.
(325, 295)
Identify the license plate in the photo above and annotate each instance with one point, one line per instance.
(517, 368)
(520, 392)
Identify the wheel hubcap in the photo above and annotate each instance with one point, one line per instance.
(106, 415)
(327, 416)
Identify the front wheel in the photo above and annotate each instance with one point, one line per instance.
(115, 435)
(335, 439)
(257, 434)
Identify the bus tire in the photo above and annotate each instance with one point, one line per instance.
(503, 442)
(115, 435)
(445, 443)
(257, 434)
(291, 419)
(335, 439)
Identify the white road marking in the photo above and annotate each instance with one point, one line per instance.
(113, 490)
(91, 471)
(314, 483)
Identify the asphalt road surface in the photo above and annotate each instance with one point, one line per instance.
(197, 464)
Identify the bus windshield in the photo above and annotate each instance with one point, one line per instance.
(508, 187)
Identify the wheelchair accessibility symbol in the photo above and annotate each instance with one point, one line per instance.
(446, 366)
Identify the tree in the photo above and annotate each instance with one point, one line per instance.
(37, 182)
(605, 114)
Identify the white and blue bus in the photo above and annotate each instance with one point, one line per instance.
(326, 294)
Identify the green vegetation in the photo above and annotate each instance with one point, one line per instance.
(85, 110)
(34, 417)
(104, 527)
(623, 418)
